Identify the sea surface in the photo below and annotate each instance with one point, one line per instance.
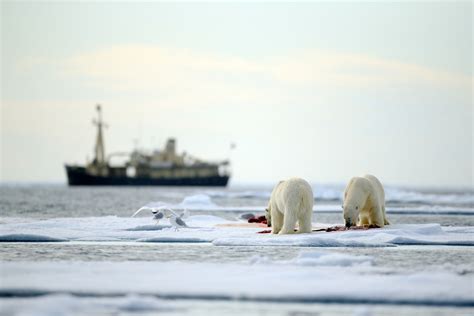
(37, 204)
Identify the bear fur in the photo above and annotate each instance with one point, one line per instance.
(364, 202)
(291, 201)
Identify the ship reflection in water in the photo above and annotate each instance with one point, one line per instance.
(162, 167)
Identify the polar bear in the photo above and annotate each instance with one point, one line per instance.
(364, 202)
(291, 201)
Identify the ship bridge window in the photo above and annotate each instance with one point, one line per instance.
(131, 171)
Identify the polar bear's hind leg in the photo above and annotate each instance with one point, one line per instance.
(376, 218)
(305, 222)
(277, 222)
(289, 223)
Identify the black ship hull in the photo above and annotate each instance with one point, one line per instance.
(78, 176)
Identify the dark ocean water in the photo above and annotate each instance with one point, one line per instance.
(48, 201)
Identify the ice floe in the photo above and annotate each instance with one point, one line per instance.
(319, 258)
(408, 234)
(67, 304)
(222, 232)
(332, 259)
(289, 282)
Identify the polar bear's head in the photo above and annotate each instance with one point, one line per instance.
(268, 215)
(355, 197)
(351, 214)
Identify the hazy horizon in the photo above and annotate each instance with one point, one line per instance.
(324, 91)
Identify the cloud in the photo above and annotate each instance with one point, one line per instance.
(138, 66)
(145, 67)
(360, 70)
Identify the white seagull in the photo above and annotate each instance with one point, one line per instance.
(177, 221)
(157, 215)
(158, 212)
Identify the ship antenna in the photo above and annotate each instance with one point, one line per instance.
(99, 144)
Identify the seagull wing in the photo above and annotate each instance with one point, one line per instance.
(180, 222)
(141, 209)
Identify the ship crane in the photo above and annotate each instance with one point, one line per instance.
(99, 158)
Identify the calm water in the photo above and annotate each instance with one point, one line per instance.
(46, 201)
(106, 306)
(456, 259)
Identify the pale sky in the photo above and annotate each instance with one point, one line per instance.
(324, 91)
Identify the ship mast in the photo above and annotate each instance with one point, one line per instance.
(99, 143)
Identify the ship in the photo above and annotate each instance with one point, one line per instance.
(164, 167)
